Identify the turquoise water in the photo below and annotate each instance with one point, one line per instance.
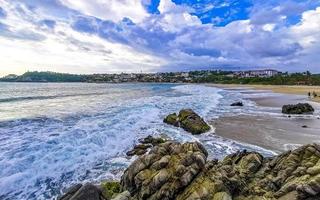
(54, 135)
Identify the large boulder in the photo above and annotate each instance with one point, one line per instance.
(182, 172)
(301, 108)
(189, 121)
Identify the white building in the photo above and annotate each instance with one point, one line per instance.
(257, 73)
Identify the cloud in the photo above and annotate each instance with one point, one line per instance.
(117, 36)
(66, 49)
(307, 34)
(114, 10)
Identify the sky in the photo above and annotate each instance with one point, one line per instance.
(113, 36)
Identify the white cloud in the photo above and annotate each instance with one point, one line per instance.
(175, 17)
(66, 50)
(166, 6)
(307, 32)
(114, 10)
(269, 27)
(170, 40)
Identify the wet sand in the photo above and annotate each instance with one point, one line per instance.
(277, 133)
(271, 133)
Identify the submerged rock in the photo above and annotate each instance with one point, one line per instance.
(182, 172)
(237, 104)
(189, 121)
(301, 108)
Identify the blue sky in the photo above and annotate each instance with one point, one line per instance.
(112, 36)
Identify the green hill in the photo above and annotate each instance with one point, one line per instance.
(44, 77)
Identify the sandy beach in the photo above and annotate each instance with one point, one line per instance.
(277, 133)
(282, 89)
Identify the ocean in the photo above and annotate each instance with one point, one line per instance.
(53, 135)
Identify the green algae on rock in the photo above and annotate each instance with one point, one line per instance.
(189, 121)
(110, 189)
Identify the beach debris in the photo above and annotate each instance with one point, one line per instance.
(189, 121)
(300, 108)
(237, 104)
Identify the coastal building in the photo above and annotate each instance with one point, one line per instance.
(267, 73)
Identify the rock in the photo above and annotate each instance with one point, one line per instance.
(304, 126)
(189, 121)
(301, 108)
(237, 104)
(110, 189)
(152, 140)
(70, 192)
(123, 196)
(146, 144)
(185, 174)
(139, 150)
(83, 192)
(165, 171)
(171, 170)
(172, 119)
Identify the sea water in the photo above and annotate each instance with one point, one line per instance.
(53, 135)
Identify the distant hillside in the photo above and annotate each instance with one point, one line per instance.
(44, 77)
(221, 77)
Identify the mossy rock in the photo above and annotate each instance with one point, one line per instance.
(110, 189)
(172, 119)
(192, 122)
(300, 108)
(189, 121)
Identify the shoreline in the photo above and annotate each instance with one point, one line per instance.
(279, 89)
(276, 132)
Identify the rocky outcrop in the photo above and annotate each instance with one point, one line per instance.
(182, 172)
(301, 108)
(239, 104)
(189, 121)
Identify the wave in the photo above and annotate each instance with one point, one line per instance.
(29, 98)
